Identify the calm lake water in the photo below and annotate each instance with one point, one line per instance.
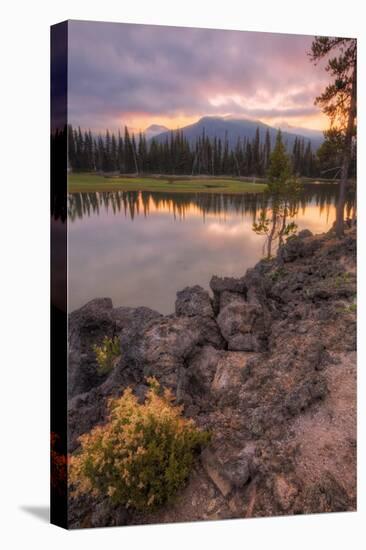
(140, 248)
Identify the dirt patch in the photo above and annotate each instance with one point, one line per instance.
(326, 436)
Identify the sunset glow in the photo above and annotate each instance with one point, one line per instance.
(138, 75)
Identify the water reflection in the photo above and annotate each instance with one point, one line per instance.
(276, 223)
(139, 248)
(135, 203)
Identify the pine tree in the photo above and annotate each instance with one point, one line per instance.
(107, 153)
(249, 159)
(225, 157)
(308, 160)
(120, 154)
(339, 102)
(91, 152)
(100, 154)
(256, 154)
(71, 148)
(267, 149)
(113, 154)
(129, 154)
(142, 153)
(295, 156)
(279, 171)
(134, 154)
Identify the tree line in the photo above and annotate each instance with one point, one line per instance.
(127, 154)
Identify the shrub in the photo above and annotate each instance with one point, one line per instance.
(142, 456)
(106, 354)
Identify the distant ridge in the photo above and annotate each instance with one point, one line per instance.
(306, 132)
(154, 130)
(220, 127)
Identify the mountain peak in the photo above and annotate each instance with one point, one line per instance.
(234, 129)
(154, 127)
(154, 130)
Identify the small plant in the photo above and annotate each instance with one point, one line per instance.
(142, 456)
(106, 354)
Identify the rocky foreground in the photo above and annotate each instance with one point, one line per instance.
(268, 365)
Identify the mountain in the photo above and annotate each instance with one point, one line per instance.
(154, 130)
(234, 129)
(315, 135)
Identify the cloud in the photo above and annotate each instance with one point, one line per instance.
(118, 71)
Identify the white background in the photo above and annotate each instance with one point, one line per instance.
(24, 273)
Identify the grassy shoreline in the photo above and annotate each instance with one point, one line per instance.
(88, 183)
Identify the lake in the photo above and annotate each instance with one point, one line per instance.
(139, 248)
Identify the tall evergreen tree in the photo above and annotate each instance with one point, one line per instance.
(267, 149)
(71, 149)
(279, 170)
(120, 154)
(339, 101)
(256, 154)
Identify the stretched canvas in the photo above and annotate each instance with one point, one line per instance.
(203, 315)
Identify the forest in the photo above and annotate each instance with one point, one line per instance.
(128, 154)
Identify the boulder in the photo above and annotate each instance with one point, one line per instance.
(201, 371)
(231, 284)
(255, 282)
(192, 301)
(229, 370)
(243, 326)
(229, 468)
(239, 467)
(88, 326)
(297, 247)
(213, 469)
(227, 297)
(130, 319)
(164, 347)
(219, 285)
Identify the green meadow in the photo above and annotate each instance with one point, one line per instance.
(84, 182)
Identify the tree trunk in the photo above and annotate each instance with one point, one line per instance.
(273, 231)
(346, 160)
(283, 227)
(134, 157)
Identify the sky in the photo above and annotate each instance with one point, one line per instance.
(137, 75)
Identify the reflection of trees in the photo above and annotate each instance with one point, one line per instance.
(135, 203)
(58, 174)
(276, 222)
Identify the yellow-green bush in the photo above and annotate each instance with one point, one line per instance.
(106, 354)
(142, 456)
